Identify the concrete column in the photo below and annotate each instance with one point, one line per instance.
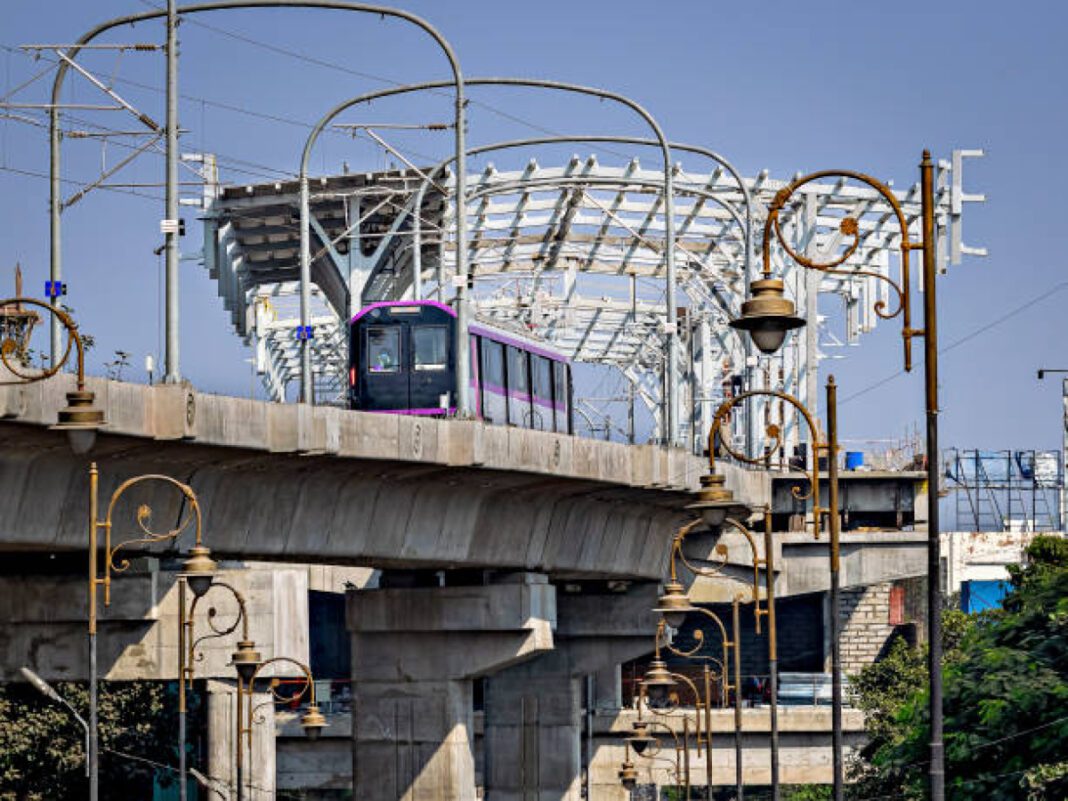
(415, 654)
(534, 712)
(533, 733)
(259, 762)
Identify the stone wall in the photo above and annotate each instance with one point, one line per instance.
(865, 621)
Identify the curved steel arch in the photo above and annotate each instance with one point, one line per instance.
(516, 143)
(220, 5)
(463, 367)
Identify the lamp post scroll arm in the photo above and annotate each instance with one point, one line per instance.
(144, 518)
(818, 444)
(850, 227)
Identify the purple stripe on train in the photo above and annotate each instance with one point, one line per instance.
(382, 304)
(497, 389)
(432, 410)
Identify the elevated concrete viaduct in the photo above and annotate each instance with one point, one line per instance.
(321, 485)
(507, 519)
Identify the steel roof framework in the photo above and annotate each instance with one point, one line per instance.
(571, 253)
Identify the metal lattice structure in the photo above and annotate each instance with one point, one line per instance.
(573, 254)
(1005, 490)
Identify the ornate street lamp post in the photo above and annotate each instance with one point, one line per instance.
(248, 664)
(717, 506)
(674, 598)
(198, 570)
(759, 322)
(674, 606)
(188, 644)
(79, 418)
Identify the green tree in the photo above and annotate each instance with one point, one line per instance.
(1005, 698)
(42, 747)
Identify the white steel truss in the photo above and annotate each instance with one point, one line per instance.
(573, 254)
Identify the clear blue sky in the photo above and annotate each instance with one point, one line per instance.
(780, 85)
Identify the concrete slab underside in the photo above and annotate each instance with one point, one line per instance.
(323, 509)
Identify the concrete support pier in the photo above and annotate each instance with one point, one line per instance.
(415, 656)
(535, 727)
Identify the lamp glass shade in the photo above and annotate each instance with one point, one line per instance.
(714, 516)
(200, 583)
(768, 336)
(639, 742)
(674, 619)
(657, 695)
(81, 440)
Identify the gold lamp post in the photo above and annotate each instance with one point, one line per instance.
(754, 322)
(79, 418)
(248, 664)
(659, 682)
(647, 746)
(714, 498)
(197, 568)
(188, 644)
(674, 606)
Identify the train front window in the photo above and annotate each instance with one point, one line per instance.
(430, 347)
(383, 350)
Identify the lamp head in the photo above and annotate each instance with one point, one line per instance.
(246, 660)
(715, 503)
(81, 420)
(658, 683)
(641, 739)
(768, 315)
(674, 604)
(628, 775)
(313, 723)
(199, 570)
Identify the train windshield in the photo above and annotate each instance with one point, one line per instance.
(430, 347)
(383, 349)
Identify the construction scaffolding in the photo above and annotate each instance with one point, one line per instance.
(1005, 490)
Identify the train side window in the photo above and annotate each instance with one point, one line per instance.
(541, 371)
(560, 380)
(517, 371)
(493, 363)
(383, 350)
(430, 347)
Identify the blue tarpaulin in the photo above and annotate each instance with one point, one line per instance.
(975, 596)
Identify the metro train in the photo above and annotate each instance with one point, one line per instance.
(402, 361)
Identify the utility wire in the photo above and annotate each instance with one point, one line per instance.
(299, 56)
(1044, 295)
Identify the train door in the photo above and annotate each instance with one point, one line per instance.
(430, 380)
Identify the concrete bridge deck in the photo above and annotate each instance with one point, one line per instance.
(321, 484)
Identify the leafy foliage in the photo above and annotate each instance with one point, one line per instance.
(42, 747)
(1005, 698)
